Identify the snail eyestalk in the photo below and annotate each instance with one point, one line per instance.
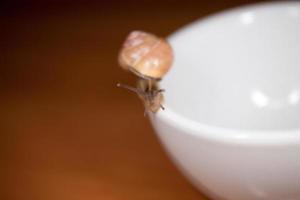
(152, 98)
(130, 88)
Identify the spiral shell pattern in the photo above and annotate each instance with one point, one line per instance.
(146, 55)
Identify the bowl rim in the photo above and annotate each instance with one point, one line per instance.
(225, 134)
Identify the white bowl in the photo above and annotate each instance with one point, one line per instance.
(232, 117)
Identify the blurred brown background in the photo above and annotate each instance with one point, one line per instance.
(67, 132)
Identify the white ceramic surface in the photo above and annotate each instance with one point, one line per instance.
(232, 117)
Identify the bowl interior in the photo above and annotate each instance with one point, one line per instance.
(239, 69)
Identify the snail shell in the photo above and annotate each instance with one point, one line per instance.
(146, 55)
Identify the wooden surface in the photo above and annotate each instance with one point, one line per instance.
(67, 132)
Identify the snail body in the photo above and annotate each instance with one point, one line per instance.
(152, 98)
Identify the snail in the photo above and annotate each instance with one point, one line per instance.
(149, 58)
